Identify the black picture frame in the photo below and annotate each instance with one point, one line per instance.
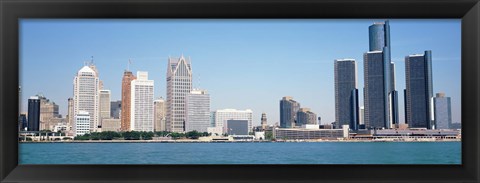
(12, 10)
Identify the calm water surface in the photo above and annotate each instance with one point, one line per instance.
(242, 153)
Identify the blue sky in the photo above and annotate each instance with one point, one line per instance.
(244, 64)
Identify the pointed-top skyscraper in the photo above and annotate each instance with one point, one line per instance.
(86, 95)
(179, 85)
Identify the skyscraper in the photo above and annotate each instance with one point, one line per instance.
(33, 114)
(375, 93)
(104, 105)
(305, 116)
(160, 112)
(346, 93)
(263, 121)
(288, 112)
(48, 111)
(197, 111)
(179, 85)
(70, 113)
(382, 81)
(127, 79)
(442, 111)
(141, 102)
(85, 95)
(419, 90)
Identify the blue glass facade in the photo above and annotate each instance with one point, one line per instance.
(375, 93)
(346, 93)
(419, 90)
(443, 112)
(288, 112)
(33, 114)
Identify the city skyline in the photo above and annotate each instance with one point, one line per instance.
(319, 98)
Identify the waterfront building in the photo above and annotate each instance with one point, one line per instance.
(419, 90)
(113, 125)
(346, 93)
(82, 123)
(141, 102)
(179, 85)
(443, 111)
(212, 119)
(160, 112)
(237, 127)
(56, 121)
(362, 116)
(222, 115)
(115, 109)
(197, 108)
(33, 114)
(263, 121)
(288, 112)
(85, 95)
(105, 107)
(377, 113)
(70, 113)
(310, 133)
(305, 116)
(380, 92)
(127, 79)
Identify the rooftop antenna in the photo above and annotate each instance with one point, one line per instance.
(91, 60)
(128, 65)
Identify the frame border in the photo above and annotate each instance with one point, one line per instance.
(12, 10)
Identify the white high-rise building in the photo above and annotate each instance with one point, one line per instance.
(104, 105)
(221, 117)
(85, 95)
(179, 85)
(197, 111)
(141, 118)
(82, 123)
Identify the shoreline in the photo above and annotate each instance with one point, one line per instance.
(197, 141)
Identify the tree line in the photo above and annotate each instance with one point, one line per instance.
(136, 135)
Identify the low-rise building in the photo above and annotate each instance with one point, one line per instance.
(310, 133)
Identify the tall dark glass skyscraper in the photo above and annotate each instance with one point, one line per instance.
(346, 93)
(33, 114)
(379, 58)
(288, 112)
(375, 93)
(419, 90)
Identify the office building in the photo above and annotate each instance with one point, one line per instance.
(197, 108)
(85, 95)
(127, 79)
(179, 85)
(115, 109)
(309, 133)
(305, 116)
(160, 112)
(237, 127)
(376, 101)
(263, 121)
(141, 102)
(419, 90)
(288, 112)
(443, 111)
(104, 105)
(48, 111)
(70, 113)
(113, 125)
(380, 79)
(33, 114)
(82, 123)
(22, 122)
(222, 115)
(346, 93)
